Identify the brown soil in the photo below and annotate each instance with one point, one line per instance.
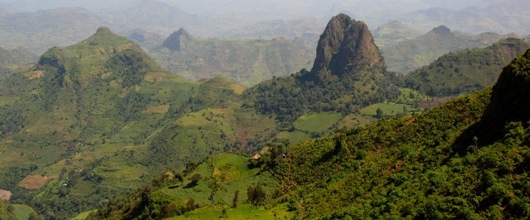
(5, 195)
(33, 182)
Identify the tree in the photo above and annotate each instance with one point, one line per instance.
(379, 113)
(256, 195)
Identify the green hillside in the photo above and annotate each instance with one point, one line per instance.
(245, 61)
(217, 185)
(465, 71)
(99, 119)
(93, 120)
(426, 166)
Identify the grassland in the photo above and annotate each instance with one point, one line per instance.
(390, 109)
(229, 172)
(317, 122)
(22, 212)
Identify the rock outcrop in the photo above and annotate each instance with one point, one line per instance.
(345, 46)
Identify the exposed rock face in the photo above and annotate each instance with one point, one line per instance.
(345, 46)
(178, 40)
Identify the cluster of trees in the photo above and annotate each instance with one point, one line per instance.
(290, 97)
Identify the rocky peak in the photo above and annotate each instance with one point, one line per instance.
(345, 46)
(178, 40)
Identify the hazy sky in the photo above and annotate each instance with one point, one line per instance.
(373, 12)
(286, 7)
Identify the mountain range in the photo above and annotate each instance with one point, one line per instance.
(98, 119)
(245, 61)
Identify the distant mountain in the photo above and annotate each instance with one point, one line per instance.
(309, 27)
(146, 39)
(467, 70)
(392, 33)
(40, 30)
(178, 40)
(502, 16)
(246, 61)
(409, 55)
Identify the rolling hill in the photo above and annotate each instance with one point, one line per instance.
(409, 55)
(467, 70)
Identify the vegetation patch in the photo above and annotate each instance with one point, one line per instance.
(154, 77)
(23, 211)
(293, 136)
(158, 109)
(387, 108)
(317, 122)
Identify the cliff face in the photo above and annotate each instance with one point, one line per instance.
(345, 46)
